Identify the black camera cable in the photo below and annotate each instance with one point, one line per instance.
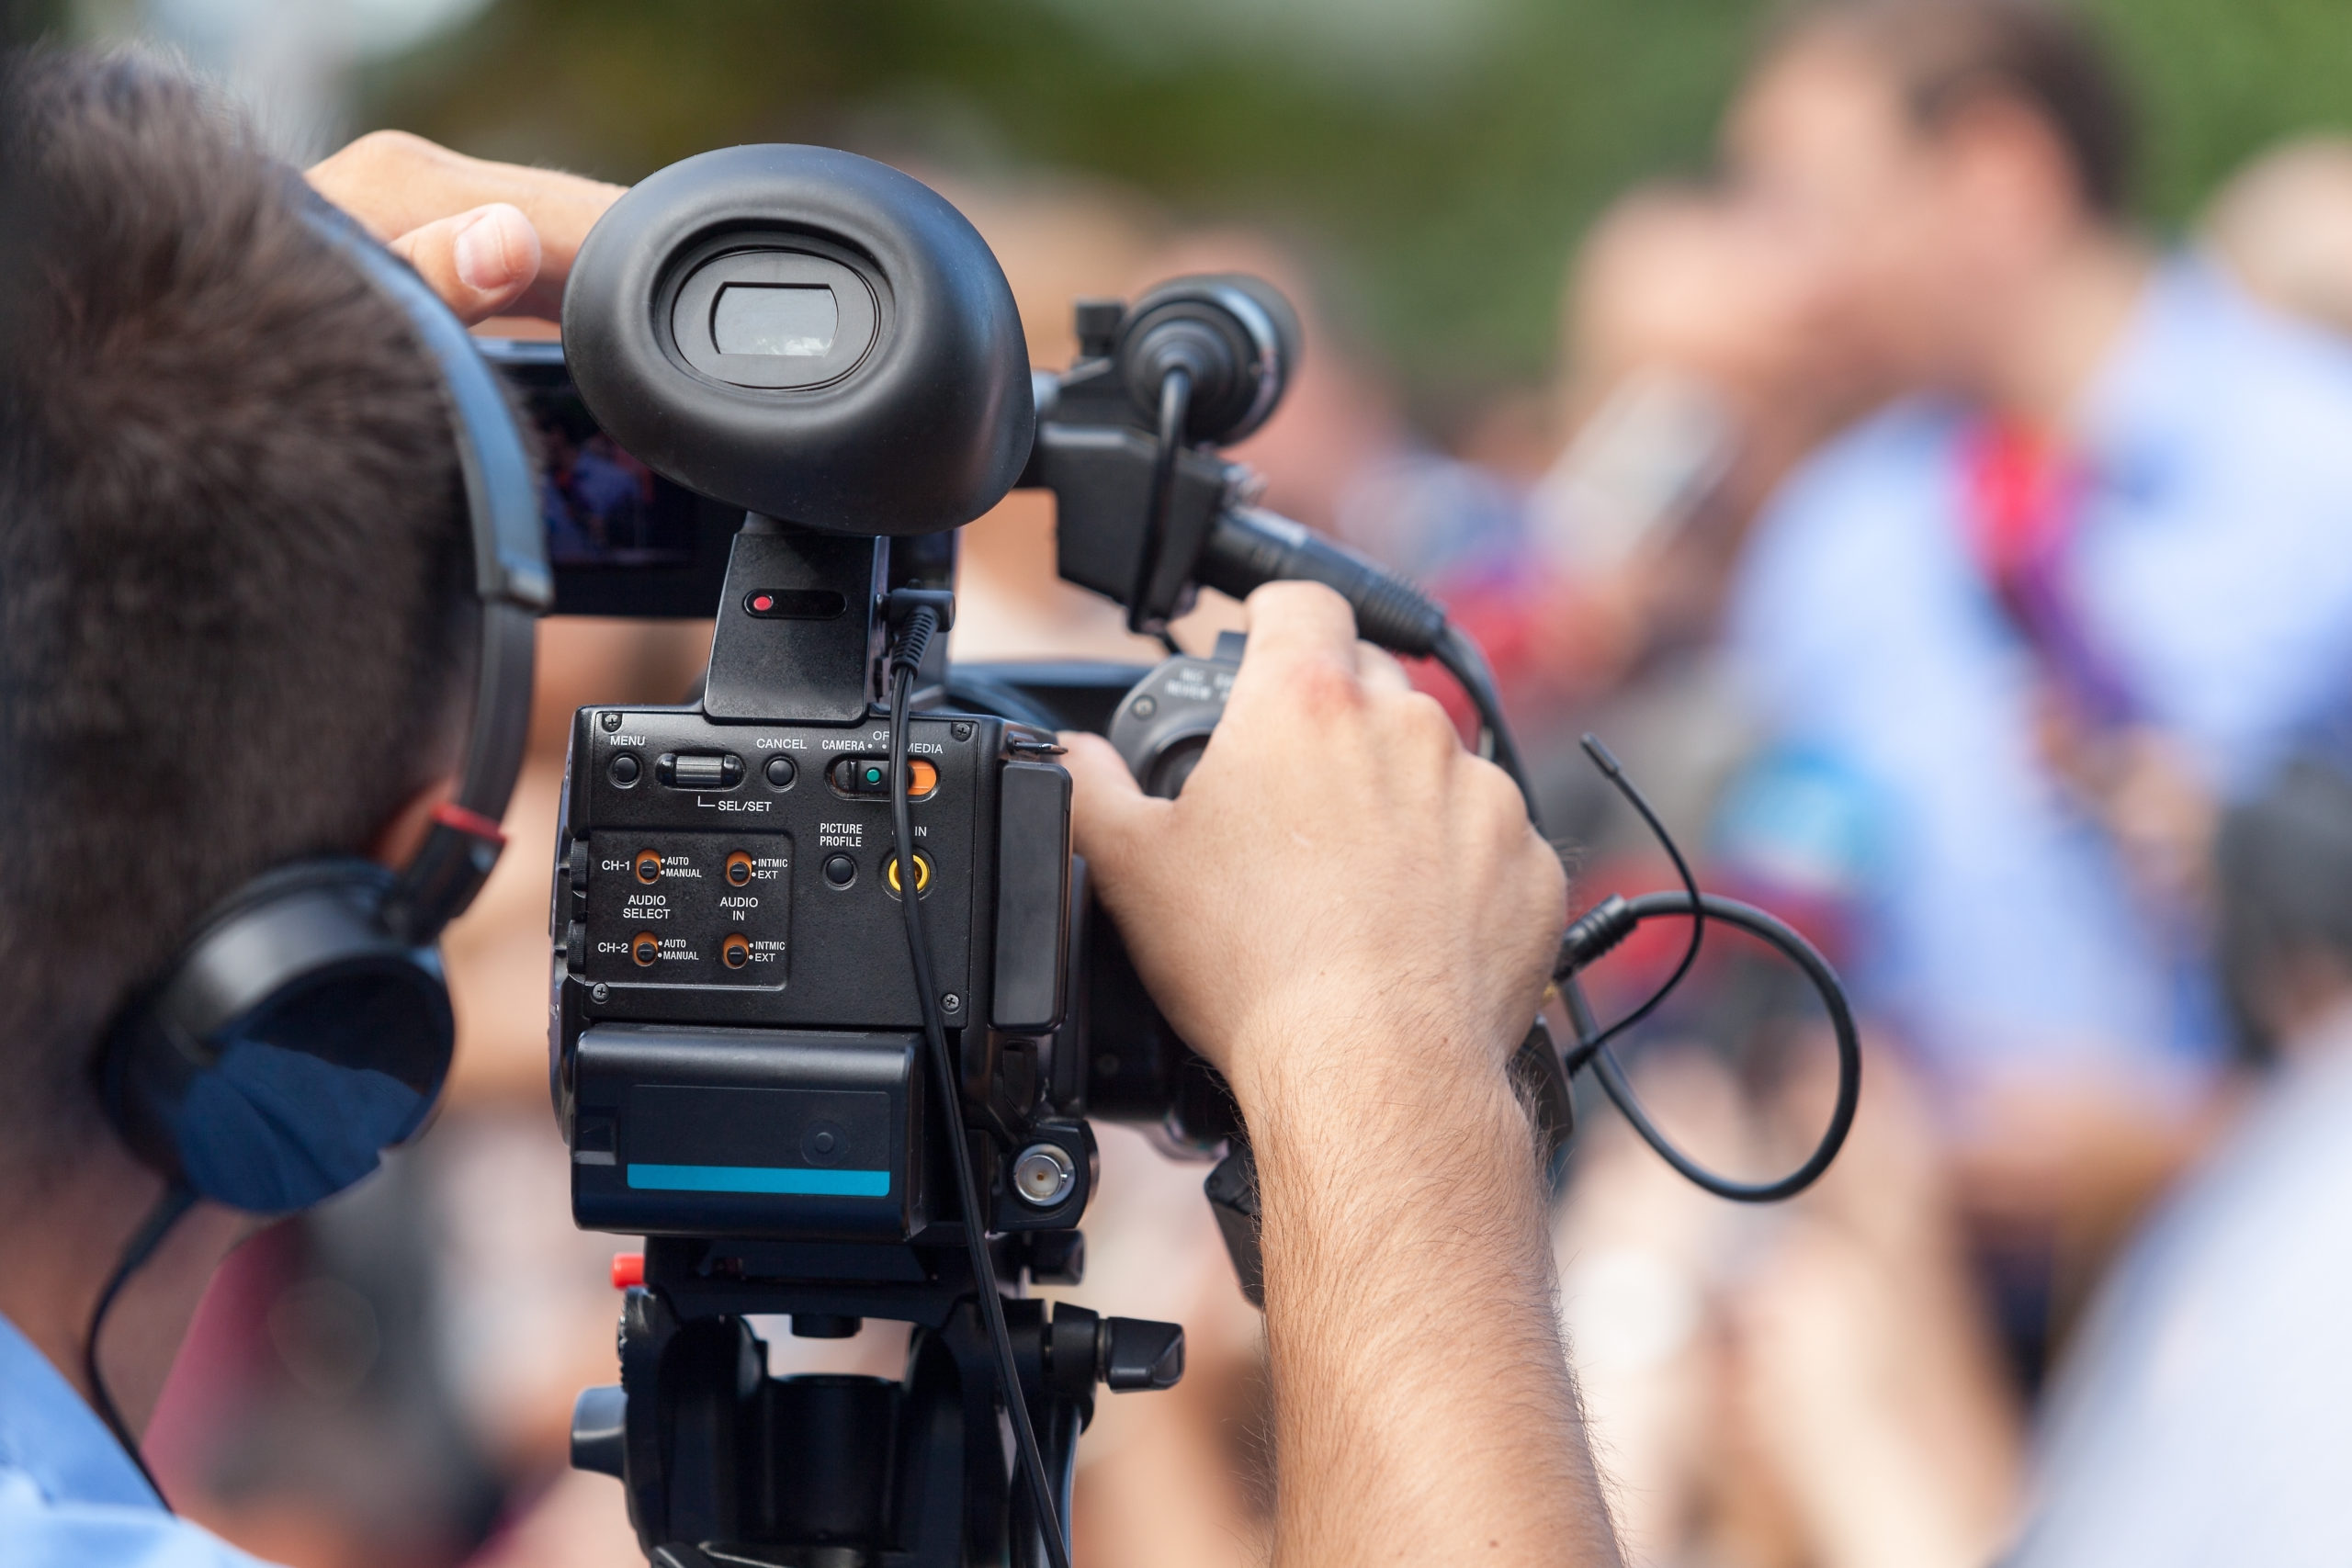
(1614, 918)
(906, 656)
(1458, 654)
(1247, 547)
(175, 1202)
(1175, 411)
(1586, 1048)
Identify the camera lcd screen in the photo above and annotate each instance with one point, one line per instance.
(602, 507)
(775, 321)
(623, 540)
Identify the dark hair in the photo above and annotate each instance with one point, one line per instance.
(1949, 53)
(233, 563)
(2283, 876)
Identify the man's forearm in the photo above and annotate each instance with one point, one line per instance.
(1424, 1408)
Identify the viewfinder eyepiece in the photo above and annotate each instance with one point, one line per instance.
(774, 316)
(807, 334)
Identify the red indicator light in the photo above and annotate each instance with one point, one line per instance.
(762, 602)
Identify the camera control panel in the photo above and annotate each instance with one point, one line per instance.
(747, 872)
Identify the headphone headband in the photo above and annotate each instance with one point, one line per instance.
(512, 580)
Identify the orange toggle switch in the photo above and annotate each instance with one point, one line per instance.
(628, 1268)
(921, 777)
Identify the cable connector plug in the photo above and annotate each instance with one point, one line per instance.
(915, 616)
(1604, 759)
(1595, 932)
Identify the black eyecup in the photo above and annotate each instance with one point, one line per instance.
(925, 430)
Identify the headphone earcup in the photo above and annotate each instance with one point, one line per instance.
(294, 1041)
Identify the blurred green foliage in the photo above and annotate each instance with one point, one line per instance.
(1436, 157)
(22, 21)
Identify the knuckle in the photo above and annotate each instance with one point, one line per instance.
(1489, 792)
(1288, 597)
(380, 149)
(1298, 675)
(406, 145)
(1424, 721)
(1300, 611)
(1322, 688)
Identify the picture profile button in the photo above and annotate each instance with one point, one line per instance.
(839, 870)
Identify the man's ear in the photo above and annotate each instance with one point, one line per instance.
(395, 843)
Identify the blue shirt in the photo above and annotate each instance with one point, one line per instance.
(2210, 565)
(69, 1497)
(2205, 1418)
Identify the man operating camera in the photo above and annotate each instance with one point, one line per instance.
(232, 583)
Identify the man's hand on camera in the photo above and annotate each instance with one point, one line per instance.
(1336, 866)
(491, 238)
(1350, 915)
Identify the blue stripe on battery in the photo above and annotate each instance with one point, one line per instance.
(794, 1181)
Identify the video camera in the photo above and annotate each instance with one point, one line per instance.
(832, 1008)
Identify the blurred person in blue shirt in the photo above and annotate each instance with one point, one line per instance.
(2083, 577)
(2198, 1417)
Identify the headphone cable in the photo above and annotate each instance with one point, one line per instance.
(177, 1200)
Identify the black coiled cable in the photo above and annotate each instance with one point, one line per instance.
(1611, 921)
(1596, 1051)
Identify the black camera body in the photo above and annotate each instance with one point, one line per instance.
(740, 1043)
(737, 1036)
(745, 1067)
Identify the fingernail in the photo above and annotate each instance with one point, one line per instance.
(481, 254)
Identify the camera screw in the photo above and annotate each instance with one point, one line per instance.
(1044, 1175)
(601, 992)
(951, 1002)
(960, 730)
(610, 720)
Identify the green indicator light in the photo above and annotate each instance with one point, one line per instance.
(873, 776)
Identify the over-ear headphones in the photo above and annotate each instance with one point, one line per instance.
(306, 1027)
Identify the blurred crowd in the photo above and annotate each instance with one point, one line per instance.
(1962, 571)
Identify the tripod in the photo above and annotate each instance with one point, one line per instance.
(728, 1467)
